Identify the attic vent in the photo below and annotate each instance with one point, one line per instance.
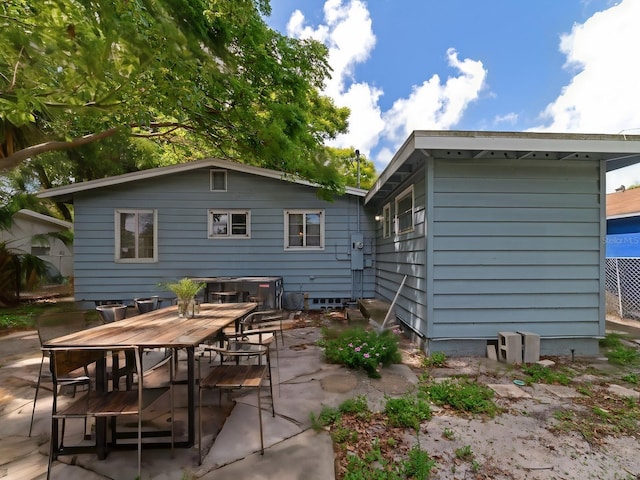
(218, 180)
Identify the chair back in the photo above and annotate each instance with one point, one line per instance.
(64, 362)
(57, 324)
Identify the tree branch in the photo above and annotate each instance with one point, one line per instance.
(14, 159)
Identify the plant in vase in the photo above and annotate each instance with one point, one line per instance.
(186, 289)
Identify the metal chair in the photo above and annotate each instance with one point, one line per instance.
(97, 403)
(240, 374)
(52, 326)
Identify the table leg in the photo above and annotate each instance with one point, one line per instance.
(101, 422)
(191, 387)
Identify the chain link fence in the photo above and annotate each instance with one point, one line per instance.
(622, 287)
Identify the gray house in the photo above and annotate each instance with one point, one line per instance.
(472, 233)
(223, 221)
(496, 232)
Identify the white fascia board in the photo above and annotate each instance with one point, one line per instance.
(528, 141)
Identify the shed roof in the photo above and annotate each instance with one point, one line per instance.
(624, 204)
(617, 150)
(65, 193)
(40, 218)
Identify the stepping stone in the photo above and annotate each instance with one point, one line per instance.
(508, 391)
(392, 384)
(560, 391)
(339, 383)
(623, 391)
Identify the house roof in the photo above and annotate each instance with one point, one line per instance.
(616, 150)
(40, 218)
(624, 204)
(65, 193)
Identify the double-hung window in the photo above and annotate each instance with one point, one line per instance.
(404, 211)
(136, 236)
(229, 223)
(304, 229)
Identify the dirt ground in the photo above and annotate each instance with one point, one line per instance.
(586, 429)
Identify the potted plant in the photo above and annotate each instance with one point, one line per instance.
(186, 289)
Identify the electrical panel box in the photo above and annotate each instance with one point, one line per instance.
(357, 251)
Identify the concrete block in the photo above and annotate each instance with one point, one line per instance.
(510, 347)
(491, 352)
(531, 347)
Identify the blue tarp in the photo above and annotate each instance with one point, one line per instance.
(623, 245)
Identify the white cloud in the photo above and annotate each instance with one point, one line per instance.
(348, 34)
(510, 118)
(434, 105)
(603, 96)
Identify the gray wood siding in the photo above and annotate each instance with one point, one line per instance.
(405, 254)
(516, 246)
(182, 201)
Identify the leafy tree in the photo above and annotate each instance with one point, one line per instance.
(351, 165)
(206, 76)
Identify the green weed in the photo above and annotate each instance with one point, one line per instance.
(622, 355)
(463, 395)
(436, 359)
(419, 464)
(630, 378)
(611, 340)
(448, 434)
(407, 411)
(464, 453)
(539, 374)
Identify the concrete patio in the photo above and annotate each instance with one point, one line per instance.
(303, 383)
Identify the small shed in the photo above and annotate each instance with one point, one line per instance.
(494, 232)
(30, 233)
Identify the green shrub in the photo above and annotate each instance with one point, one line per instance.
(359, 348)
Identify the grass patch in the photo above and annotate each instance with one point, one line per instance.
(622, 355)
(463, 395)
(407, 411)
(611, 340)
(538, 374)
(23, 317)
(436, 359)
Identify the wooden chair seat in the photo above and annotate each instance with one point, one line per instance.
(97, 403)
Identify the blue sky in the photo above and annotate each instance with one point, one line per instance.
(506, 65)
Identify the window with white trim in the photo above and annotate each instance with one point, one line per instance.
(218, 180)
(386, 221)
(229, 223)
(304, 229)
(136, 236)
(404, 211)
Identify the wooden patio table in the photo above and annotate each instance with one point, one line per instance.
(161, 328)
